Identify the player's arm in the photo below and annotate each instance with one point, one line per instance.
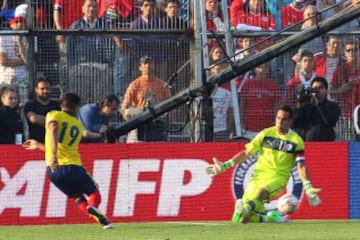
(36, 119)
(32, 144)
(53, 141)
(93, 135)
(219, 167)
(310, 192)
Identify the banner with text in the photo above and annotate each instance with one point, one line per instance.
(161, 182)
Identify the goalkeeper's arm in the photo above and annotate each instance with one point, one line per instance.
(312, 194)
(219, 167)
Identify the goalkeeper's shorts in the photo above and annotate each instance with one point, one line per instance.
(274, 187)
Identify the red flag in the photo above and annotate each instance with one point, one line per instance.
(124, 7)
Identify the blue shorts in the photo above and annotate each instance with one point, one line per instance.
(72, 180)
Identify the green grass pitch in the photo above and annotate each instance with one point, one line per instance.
(322, 230)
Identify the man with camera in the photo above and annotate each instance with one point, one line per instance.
(316, 116)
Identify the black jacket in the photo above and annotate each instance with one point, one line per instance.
(316, 123)
(10, 124)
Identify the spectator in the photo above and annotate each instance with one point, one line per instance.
(317, 116)
(172, 58)
(216, 54)
(326, 63)
(95, 117)
(315, 45)
(36, 110)
(246, 48)
(121, 58)
(345, 86)
(222, 109)
(172, 20)
(144, 92)
(65, 12)
(147, 18)
(148, 45)
(293, 13)
(302, 79)
(274, 7)
(89, 58)
(214, 16)
(13, 60)
(10, 119)
(253, 17)
(346, 80)
(258, 96)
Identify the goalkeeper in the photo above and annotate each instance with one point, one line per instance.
(279, 149)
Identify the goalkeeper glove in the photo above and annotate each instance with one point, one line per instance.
(219, 167)
(312, 194)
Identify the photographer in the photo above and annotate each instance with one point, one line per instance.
(316, 116)
(95, 117)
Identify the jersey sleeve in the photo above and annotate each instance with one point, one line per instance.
(51, 116)
(299, 151)
(255, 144)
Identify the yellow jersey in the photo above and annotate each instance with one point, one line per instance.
(277, 154)
(69, 134)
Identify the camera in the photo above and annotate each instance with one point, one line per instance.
(305, 94)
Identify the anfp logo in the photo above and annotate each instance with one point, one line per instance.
(244, 172)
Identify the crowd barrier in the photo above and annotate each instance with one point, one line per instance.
(167, 182)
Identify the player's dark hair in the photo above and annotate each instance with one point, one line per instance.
(321, 80)
(70, 100)
(288, 109)
(108, 100)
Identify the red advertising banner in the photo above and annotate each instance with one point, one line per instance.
(159, 182)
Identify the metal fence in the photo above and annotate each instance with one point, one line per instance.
(91, 63)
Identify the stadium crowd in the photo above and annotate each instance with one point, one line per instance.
(99, 65)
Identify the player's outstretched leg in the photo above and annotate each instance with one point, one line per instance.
(100, 217)
(239, 211)
(243, 211)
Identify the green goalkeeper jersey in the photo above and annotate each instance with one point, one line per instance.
(277, 154)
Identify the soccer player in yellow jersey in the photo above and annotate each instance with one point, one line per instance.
(63, 132)
(279, 149)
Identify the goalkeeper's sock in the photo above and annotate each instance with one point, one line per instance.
(81, 204)
(94, 199)
(242, 209)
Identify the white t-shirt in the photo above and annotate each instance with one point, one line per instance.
(11, 75)
(221, 103)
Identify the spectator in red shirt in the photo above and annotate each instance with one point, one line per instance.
(346, 80)
(293, 13)
(254, 17)
(259, 97)
(214, 15)
(65, 13)
(326, 63)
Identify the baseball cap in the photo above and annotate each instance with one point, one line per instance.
(145, 59)
(17, 19)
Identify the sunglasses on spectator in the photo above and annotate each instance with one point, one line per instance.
(351, 50)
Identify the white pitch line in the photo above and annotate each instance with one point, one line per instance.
(198, 223)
